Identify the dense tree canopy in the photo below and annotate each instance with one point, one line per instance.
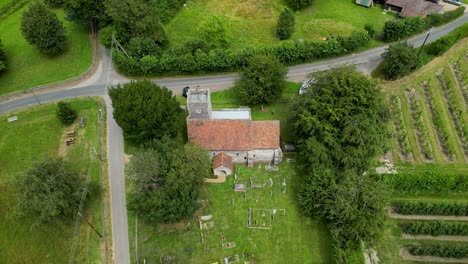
(262, 81)
(3, 59)
(340, 126)
(65, 113)
(166, 181)
(285, 25)
(339, 120)
(84, 11)
(399, 59)
(144, 110)
(42, 28)
(50, 191)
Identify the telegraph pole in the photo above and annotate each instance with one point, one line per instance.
(427, 36)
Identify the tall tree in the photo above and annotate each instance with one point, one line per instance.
(285, 25)
(399, 59)
(49, 191)
(84, 11)
(262, 81)
(144, 110)
(42, 28)
(166, 181)
(65, 113)
(339, 121)
(3, 59)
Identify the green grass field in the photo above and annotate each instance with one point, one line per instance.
(253, 22)
(35, 136)
(291, 239)
(28, 68)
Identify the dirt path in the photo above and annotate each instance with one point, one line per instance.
(392, 214)
(438, 238)
(220, 179)
(404, 253)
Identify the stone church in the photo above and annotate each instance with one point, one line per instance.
(231, 131)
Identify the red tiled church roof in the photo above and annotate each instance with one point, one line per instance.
(234, 135)
(222, 159)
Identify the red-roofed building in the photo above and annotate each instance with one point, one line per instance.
(232, 131)
(411, 8)
(222, 164)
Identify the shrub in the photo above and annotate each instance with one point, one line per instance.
(435, 228)
(399, 60)
(440, 250)
(54, 3)
(370, 29)
(401, 28)
(285, 25)
(357, 39)
(443, 44)
(432, 208)
(3, 59)
(436, 19)
(299, 4)
(65, 113)
(216, 31)
(105, 36)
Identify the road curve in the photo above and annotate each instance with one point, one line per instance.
(105, 75)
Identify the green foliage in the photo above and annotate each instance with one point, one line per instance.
(436, 19)
(347, 253)
(370, 29)
(401, 28)
(166, 181)
(3, 58)
(9, 7)
(216, 31)
(167, 9)
(401, 132)
(65, 113)
(54, 3)
(432, 208)
(135, 18)
(399, 59)
(440, 250)
(299, 4)
(426, 182)
(340, 122)
(443, 44)
(41, 28)
(49, 191)
(105, 36)
(262, 81)
(142, 46)
(356, 40)
(285, 25)
(144, 110)
(435, 228)
(84, 11)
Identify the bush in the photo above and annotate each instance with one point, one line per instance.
(436, 19)
(355, 40)
(399, 59)
(443, 44)
(432, 208)
(285, 25)
(65, 113)
(216, 31)
(435, 228)
(427, 182)
(401, 28)
(54, 3)
(299, 4)
(440, 250)
(105, 36)
(3, 59)
(370, 29)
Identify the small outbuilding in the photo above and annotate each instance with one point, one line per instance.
(222, 164)
(366, 3)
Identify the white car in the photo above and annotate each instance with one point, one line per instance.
(305, 84)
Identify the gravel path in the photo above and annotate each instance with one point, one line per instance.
(392, 214)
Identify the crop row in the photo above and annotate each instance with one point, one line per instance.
(438, 120)
(402, 133)
(440, 250)
(432, 208)
(435, 228)
(449, 85)
(423, 136)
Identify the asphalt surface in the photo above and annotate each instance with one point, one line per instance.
(105, 75)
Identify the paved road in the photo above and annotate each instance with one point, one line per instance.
(105, 75)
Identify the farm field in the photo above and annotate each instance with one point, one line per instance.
(284, 237)
(28, 68)
(253, 22)
(429, 110)
(36, 135)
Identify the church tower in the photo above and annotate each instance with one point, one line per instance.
(199, 104)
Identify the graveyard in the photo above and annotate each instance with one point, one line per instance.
(249, 218)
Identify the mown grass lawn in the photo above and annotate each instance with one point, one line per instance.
(253, 22)
(35, 136)
(292, 239)
(28, 68)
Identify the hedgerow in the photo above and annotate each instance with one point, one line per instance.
(432, 208)
(441, 250)
(435, 228)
